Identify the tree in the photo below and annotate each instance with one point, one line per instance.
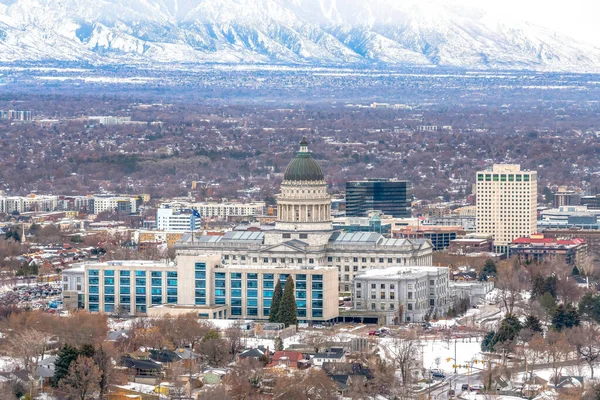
(512, 280)
(103, 357)
(82, 380)
(404, 352)
(548, 304)
(28, 346)
(538, 287)
(233, 337)
(275, 302)
(66, 356)
(311, 384)
(278, 344)
(489, 270)
(287, 309)
(533, 324)
(586, 340)
(565, 317)
(589, 307)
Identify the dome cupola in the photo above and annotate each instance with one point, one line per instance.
(303, 167)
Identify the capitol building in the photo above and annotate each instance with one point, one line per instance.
(303, 234)
(234, 275)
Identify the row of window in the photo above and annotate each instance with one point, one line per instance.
(503, 177)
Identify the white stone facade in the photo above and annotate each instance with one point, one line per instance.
(403, 294)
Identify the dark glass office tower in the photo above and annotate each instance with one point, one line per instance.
(389, 197)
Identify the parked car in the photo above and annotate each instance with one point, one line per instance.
(475, 388)
(372, 333)
(438, 374)
(451, 393)
(464, 387)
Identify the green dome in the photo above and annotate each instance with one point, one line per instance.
(303, 167)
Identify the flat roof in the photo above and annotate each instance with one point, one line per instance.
(281, 267)
(123, 263)
(393, 272)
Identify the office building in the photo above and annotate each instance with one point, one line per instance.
(569, 217)
(304, 234)
(387, 196)
(506, 203)
(73, 290)
(200, 284)
(592, 202)
(130, 287)
(565, 197)
(169, 220)
(403, 294)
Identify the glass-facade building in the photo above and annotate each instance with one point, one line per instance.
(129, 287)
(389, 197)
(218, 291)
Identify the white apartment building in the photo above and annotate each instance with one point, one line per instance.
(173, 221)
(32, 202)
(225, 210)
(100, 204)
(506, 203)
(403, 294)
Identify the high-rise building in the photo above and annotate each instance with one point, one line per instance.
(506, 203)
(565, 197)
(387, 196)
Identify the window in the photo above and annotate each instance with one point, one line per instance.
(304, 236)
(410, 295)
(410, 306)
(382, 295)
(287, 235)
(382, 306)
(373, 286)
(392, 287)
(392, 295)
(383, 285)
(373, 306)
(358, 285)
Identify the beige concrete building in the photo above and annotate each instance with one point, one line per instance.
(506, 203)
(303, 234)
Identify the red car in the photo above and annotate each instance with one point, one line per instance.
(372, 333)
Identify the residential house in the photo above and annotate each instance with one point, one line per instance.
(213, 376)
(257, 353)
(143, 371)
(288, 359)
(332, 355)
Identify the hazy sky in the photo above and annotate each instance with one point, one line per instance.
(577, 18)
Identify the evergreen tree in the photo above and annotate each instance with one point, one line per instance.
(548, 303)
(538, 287)
(278, 344)
(533, 324)
(565, 317)
(487, 343)
(551, 283)
(275, 302)
(508, 331)
(589, 307)
(489, 270)
(575, 271)
(287, 308)
(66, 355)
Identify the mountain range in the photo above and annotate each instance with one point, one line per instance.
(313, 32)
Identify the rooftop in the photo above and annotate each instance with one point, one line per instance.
(122, 263)
(404, 272)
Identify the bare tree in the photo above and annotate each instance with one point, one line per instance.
(233, 337)
(311, 384)
(586, 341)
(511, 281)
(404, 352)
(82, 380)
(29, 346)
(557, 350)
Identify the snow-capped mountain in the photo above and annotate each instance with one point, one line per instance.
(320, 32)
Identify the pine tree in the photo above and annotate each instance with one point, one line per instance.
(278, 344)
(575, 271)
(275, 302)
(533, 324)
(287, 308)
(66, 355)
(565, 317)
(489, 270)
(538, 287)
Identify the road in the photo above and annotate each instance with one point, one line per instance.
(455, 382)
